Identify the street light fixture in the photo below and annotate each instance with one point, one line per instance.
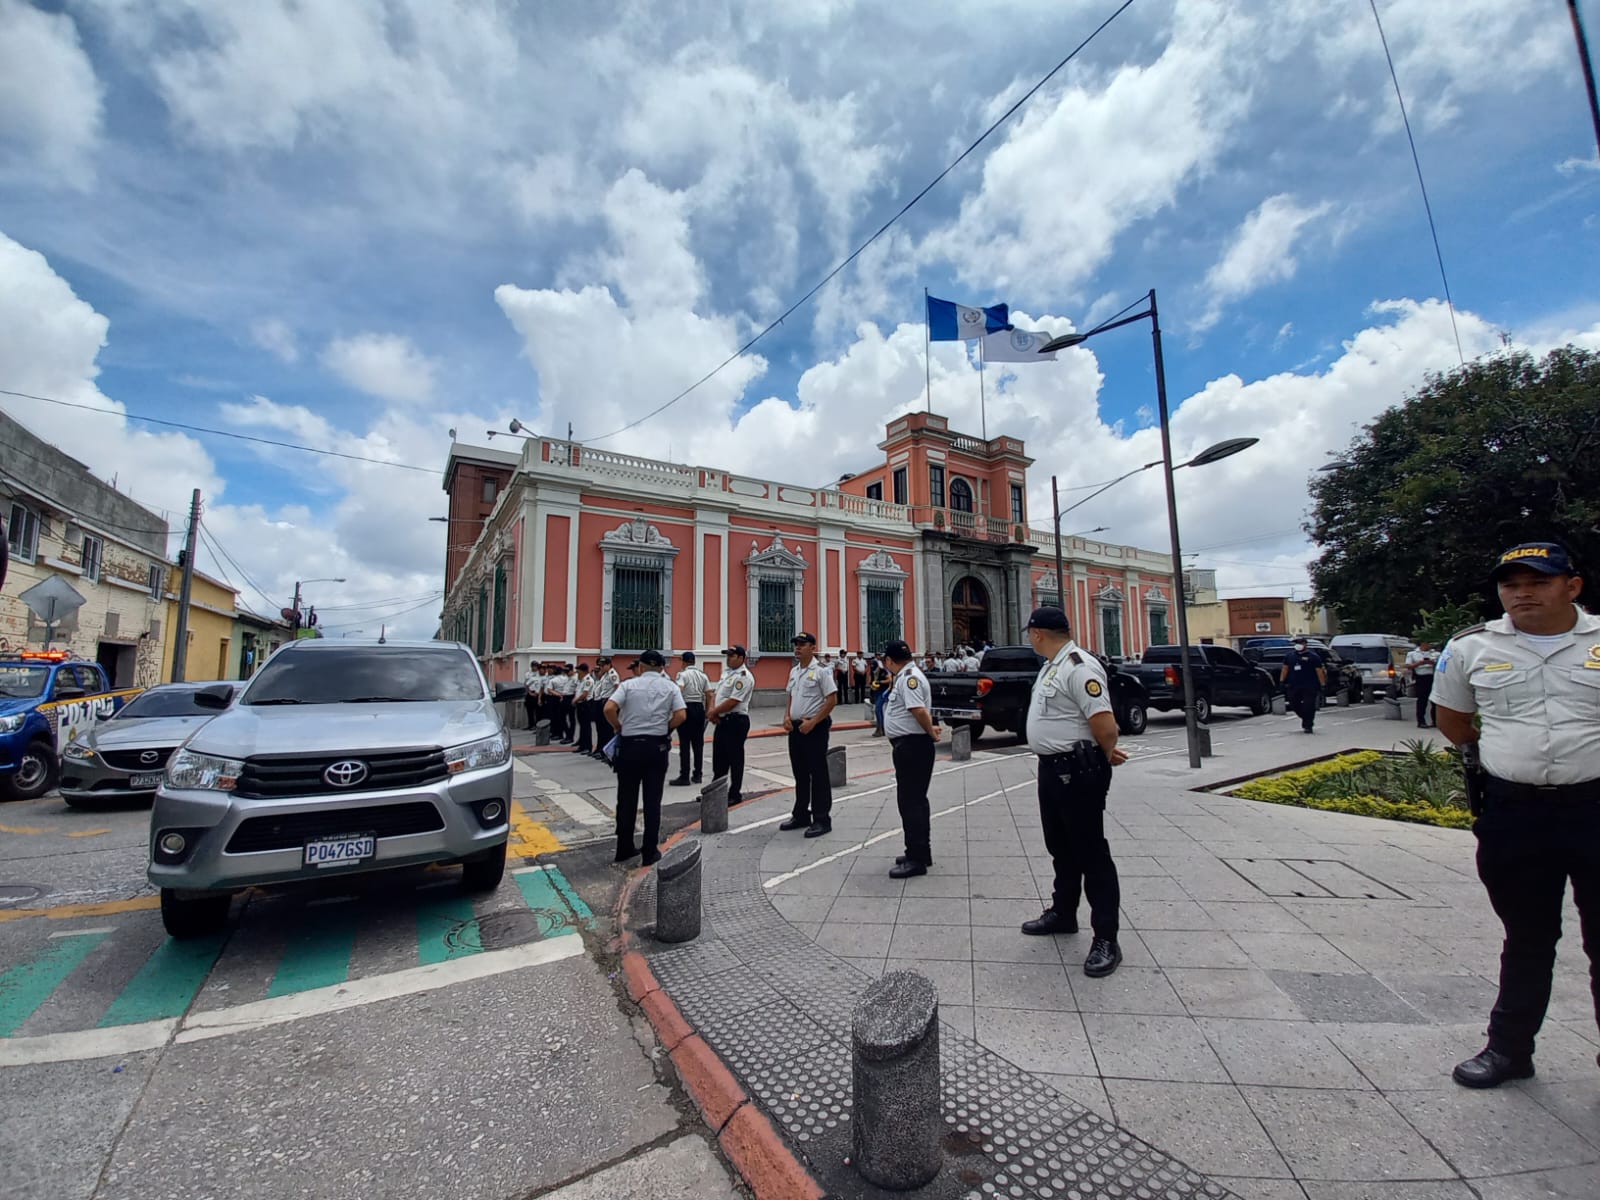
(1207, 456)
(297, 583)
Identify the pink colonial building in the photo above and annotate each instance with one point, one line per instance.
(562, 552)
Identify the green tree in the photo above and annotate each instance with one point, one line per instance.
(1500, 451)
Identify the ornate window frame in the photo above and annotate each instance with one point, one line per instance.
(880, 570)
(1110, 599)
(1155, 600)
(779, 563)
(635, 543)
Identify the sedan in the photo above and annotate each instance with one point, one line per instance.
(124, 758)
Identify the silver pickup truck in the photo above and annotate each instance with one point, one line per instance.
(339, 758)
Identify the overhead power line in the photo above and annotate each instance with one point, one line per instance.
(882, 229)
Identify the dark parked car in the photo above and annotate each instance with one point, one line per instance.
(1222, 679)
(1344, 677)
(997, 696)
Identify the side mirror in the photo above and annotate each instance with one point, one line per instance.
(218, 696)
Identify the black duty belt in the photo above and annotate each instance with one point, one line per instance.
(695, 703)
(1075, 755)
(645, 737)
(1587, 792)
(909, 737)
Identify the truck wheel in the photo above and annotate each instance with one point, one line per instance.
(977, 728)
(1202, 709)
(1133, 719)
(1263, 704)
(194, 918)
(483, 872)
(35, 775)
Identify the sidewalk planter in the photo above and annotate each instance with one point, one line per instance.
(1346, 784)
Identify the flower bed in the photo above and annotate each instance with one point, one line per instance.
(1423, 786)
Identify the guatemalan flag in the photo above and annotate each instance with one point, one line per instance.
(950, 322)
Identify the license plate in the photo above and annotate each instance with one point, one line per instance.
(145, 781)
(970, 714)
(335, 852)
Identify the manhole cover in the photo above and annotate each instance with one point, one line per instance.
(18, 893)
(500, 930)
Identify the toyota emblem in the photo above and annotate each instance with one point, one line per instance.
(345, 774)
(149, 756)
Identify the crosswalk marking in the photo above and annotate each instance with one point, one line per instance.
(167, 983)
(318, 955)
(436, 919)
(25, 987)
(548, 889)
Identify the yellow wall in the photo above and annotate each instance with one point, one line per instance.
(212, 610)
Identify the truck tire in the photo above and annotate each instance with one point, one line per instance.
(1133, 719)
(483, 872)
(35, 775)
(1202, 709)
(1263, 702)
(195, 918)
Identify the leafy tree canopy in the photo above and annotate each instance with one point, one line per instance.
(1500, 451)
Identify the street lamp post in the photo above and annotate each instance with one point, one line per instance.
(297, 584)
(1209, 455)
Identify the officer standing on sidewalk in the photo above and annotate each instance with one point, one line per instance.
(532, 687)
(644, 712)
(1072, 730)
(1533, 678)
(912, 732)
(606, 681)
(730, 713)
(692, 682)
(807, 719)
(1419, 665)
(582, 690)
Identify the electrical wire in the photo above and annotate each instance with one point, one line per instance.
(1416, 161)
(882, 229)
(377, 604)
(218, 548)
(391, 616)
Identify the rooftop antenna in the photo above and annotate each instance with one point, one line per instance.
(383, 634)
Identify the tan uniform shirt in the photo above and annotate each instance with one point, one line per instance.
(1070, 689)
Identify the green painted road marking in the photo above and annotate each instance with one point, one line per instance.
(317, 956)
(25, 987)
(167, 983)
(435, 920)
(547, 888)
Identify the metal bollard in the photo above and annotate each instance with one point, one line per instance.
(541, 733)
(838, 776)
(714, 805)
(961, 743)
(678, 894)
(1203, 737)
(895, 1123)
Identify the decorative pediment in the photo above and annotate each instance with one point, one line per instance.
(1155, 596)
(1046, 582)
(882, 563)
(776, 557)
(1110, 594)
(638, 534)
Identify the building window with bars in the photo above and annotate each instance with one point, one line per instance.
(1016, 505)
(500, 606)
(158, 578)
(1110, 631)
(936, 485)
(636, 608)
(775, 616)
(93, 551)
(22, 533)
(1160, 634)
(883, 616)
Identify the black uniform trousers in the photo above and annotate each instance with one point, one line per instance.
(1303, 703)
(530, 705)
(641, 767)
(1072, 809)
(913, 771)
(727, 752)
(1527, 850)
(584, 710)
(859, 682)
(1424, 686)
(692, 740)
(808, 759)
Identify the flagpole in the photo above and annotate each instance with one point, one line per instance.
(927, 351)
(983, 406)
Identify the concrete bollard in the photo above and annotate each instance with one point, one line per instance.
(961, 743)
(1391, 709)
(714, 805)
(541, 733)
(838, 775)
(678, 894)
(895, 1122)
(1280, 705)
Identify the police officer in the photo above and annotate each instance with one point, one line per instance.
(644, 712)
(692, 682)
(807, 719)
(606, 682)
(532, 686)
(1419, 665)
(912, 732)
(1303, 676)
(560, 689)
(1533, 678)
(582, 690)
(1072, 730)
(730, 714)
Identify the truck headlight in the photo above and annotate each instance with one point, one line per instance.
(474, 756)
(189, 769)
(12, 723)
(77, 750)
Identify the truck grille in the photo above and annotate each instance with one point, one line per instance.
(132, 760)
(291, 830)
(268, 776)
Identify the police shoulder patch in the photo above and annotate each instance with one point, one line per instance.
(738, 685)
(1093, 687)
(912, 682)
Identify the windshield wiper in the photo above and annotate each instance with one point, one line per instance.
(276, 700)
(381, 700)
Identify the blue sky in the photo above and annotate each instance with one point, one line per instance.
(361, 224)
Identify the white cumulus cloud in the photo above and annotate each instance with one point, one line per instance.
(1261, 252)
(51, 105)
(385, 365)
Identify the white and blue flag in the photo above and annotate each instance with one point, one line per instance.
(951, 322)
(1016, 345)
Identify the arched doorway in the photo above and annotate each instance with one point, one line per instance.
(969, 612)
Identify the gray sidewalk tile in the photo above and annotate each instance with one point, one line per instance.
(1129, 990)
(1343, 1135)
(1347, 998)
(997, 864)
(1570, 997)
(1294, 952)
(1134, 952)
(1446, 999)
(1194, 948)
(1411, 1190)
(1253, 916)
(1018, 985)
(1226, 992)
(1146, 888)
(952, 981)
(1086, 1090)
(824, 881)
(1144, 1046)
(1008, 914)
(957, 1016)
(873, 883)
(1207, 1125)
(1261, 1189)
(854, 939)
(803, 909)
(864, 910)
(1053, 1042)
(1484, 1133)
(1572, 1183)
(1137, 866)
(1009, 886)
(932, 942)
(1398, 1057)
(1166, 914)
(1279, 1054)
(1392, 950)
(936, 886)
(990, 944)
(932, 910)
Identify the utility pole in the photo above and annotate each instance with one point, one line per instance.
(180, 648)
(295, 636)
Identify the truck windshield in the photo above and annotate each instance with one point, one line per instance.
(365, 675)
(163, 702)
(17, 683)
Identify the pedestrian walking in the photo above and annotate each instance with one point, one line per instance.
(912, 732)
(644, 711)
(1420, 666)
(1532, 677)
(807, 717)
(730, 716)
(1072, 730)
(606, 683)
(692, 682)
(532, 685)
(1303, 675)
